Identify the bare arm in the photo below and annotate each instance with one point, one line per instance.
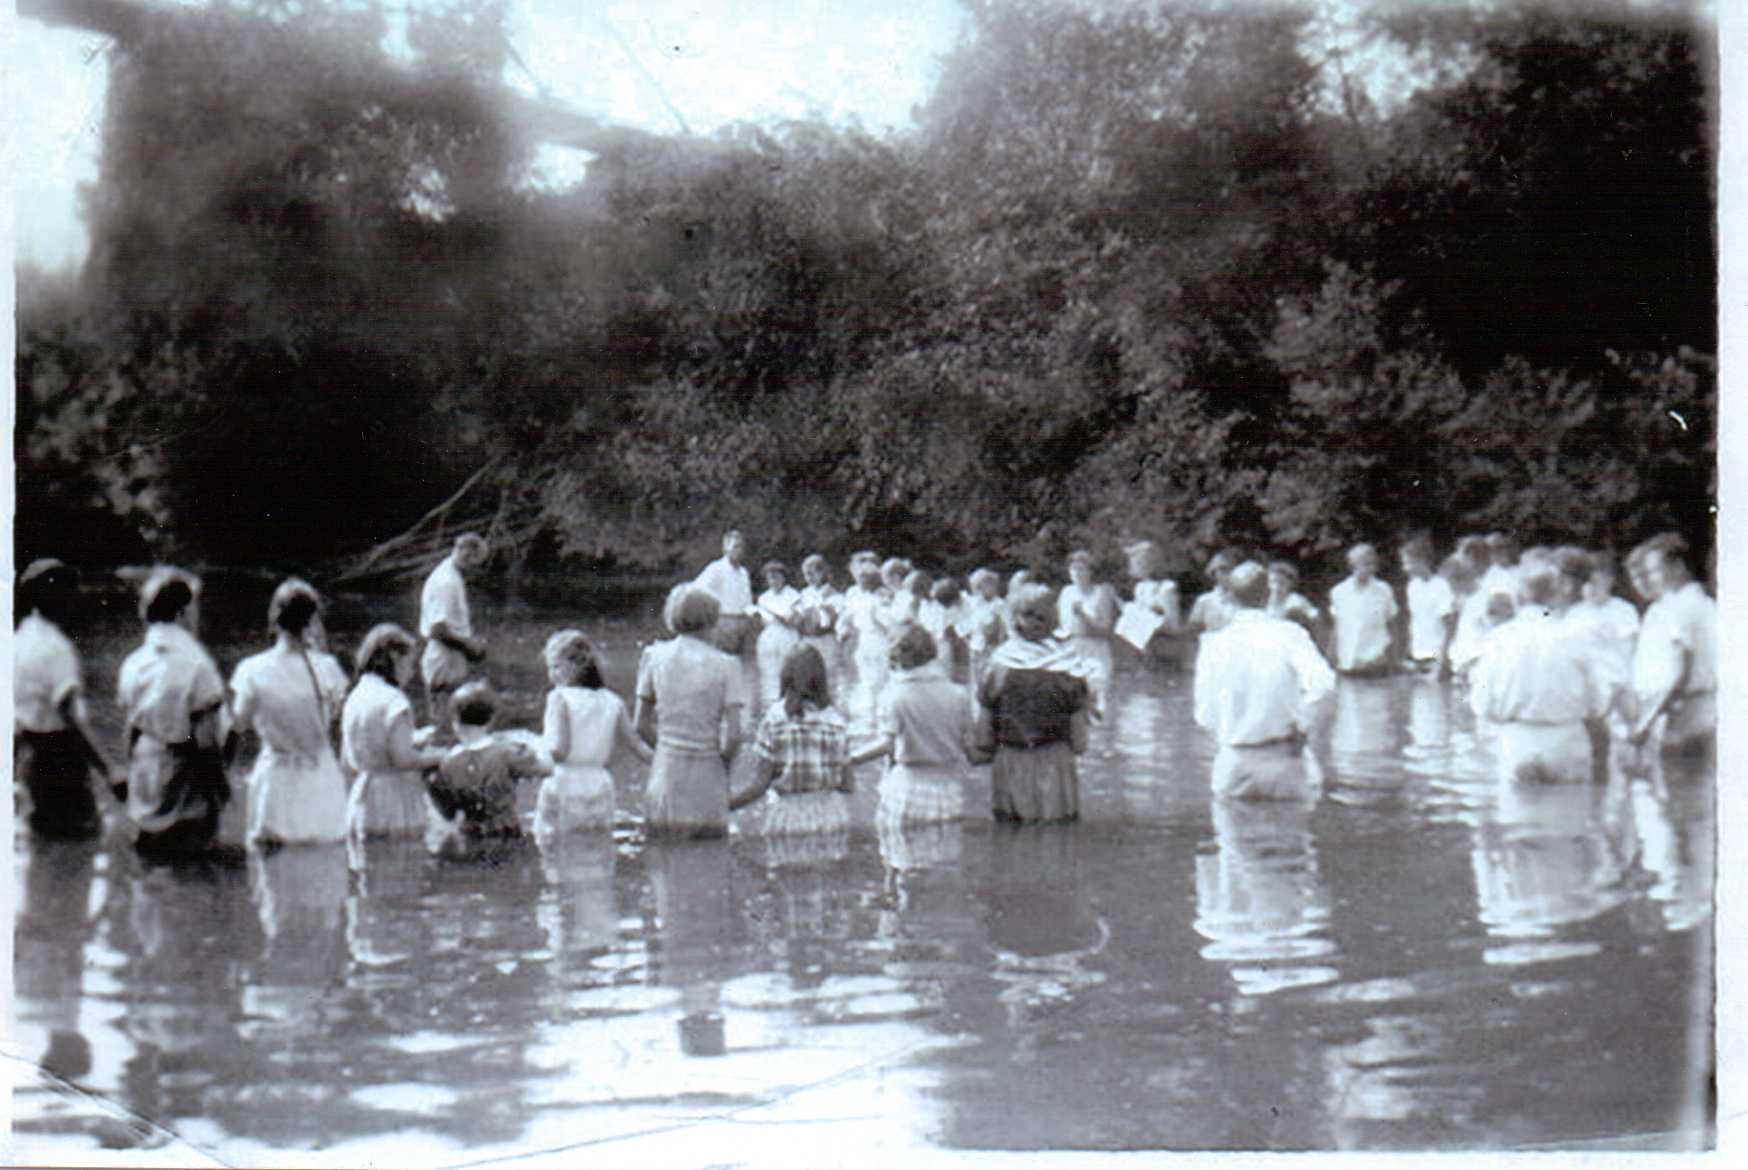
(629, 737)
(473, 648)
(401, 752)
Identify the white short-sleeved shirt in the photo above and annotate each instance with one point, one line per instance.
(45, 670)
(1258, 679)
(1614, 624)
(166, 681)
(1362, 622)
(444, 599)
(591, 717)
(730, 584)
(1686, 619)
(289, 697)
(1430, 602)
(1160, 596)
(366, 720)
(1538, 669)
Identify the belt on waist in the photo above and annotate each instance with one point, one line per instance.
(1280, 741)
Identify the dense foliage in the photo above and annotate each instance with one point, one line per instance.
(1142, 269)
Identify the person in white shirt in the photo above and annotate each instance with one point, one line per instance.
(1675, 665)
(1260, 688)
(1432, 610)
(727, 579)
(1539, 686)
(54, 757)
(1363, 609)
(445, 623)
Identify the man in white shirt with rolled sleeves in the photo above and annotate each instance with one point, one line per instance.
(737, 624)
(447, 625)
(1260, 689)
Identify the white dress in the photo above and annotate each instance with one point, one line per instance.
(579, 793)
(777, 638)
(296, 790)
(386, 801)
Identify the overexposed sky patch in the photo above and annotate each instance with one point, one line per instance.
(652, 64)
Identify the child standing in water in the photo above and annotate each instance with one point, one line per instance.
(925, 727)
(583, 721)
(1432, 610)
(1363, 608)
(803, 749)
(778, 611)
(475, 785)
(1086, 613)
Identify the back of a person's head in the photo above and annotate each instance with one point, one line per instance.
(915, 647)
(1573, 563)
(166, 594)
(571, 660)
(46, 586)
(801, 682)
(381, 649)
(918, 583)
(1539, 584)
(1249, 585)
(293, 607)
(475, 704)
(945, 591)
(696, 613)
(1034, 612)
(1458, 570)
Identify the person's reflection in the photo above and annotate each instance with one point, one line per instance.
(1260, 901)
(189, 932)
(55, 920)
(1546, 858)
(908, 851)
(577, 911)
(1362, 738)
(1673, 845)
(300, 896)
(695, 944)
(385, 927)
(1429, 719)
(1039, 924)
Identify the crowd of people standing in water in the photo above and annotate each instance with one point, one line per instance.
(922, 675)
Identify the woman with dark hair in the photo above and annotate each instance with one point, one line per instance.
(1033, 710)
(178, 728)
(583, 721)
(689, 700)
(291, 696)
(803, 750)
(376, 735)
(54, 758)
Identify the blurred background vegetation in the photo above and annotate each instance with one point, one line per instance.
(1150, 269)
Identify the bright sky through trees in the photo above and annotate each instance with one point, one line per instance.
(644, 63)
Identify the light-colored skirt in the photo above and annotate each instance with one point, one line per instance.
(387, 804)
(775, 642)
(1098, 652)
(687, 794)
(575, 798)
(1035, 784)
(806, 828)
(296, 798)
(916, 793)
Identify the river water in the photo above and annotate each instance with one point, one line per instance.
(1421, 961)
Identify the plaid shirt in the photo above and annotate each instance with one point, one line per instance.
(812, 749)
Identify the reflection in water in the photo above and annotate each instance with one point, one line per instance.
(57, 913)
(991, 985)
(694, 947)
(300, 894)
(1429, 724)
(577, 909)
(1545, 859)
(1041, 929)
(1259, 900)
(1363, 736)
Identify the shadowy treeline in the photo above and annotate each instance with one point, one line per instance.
(1141, 270)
